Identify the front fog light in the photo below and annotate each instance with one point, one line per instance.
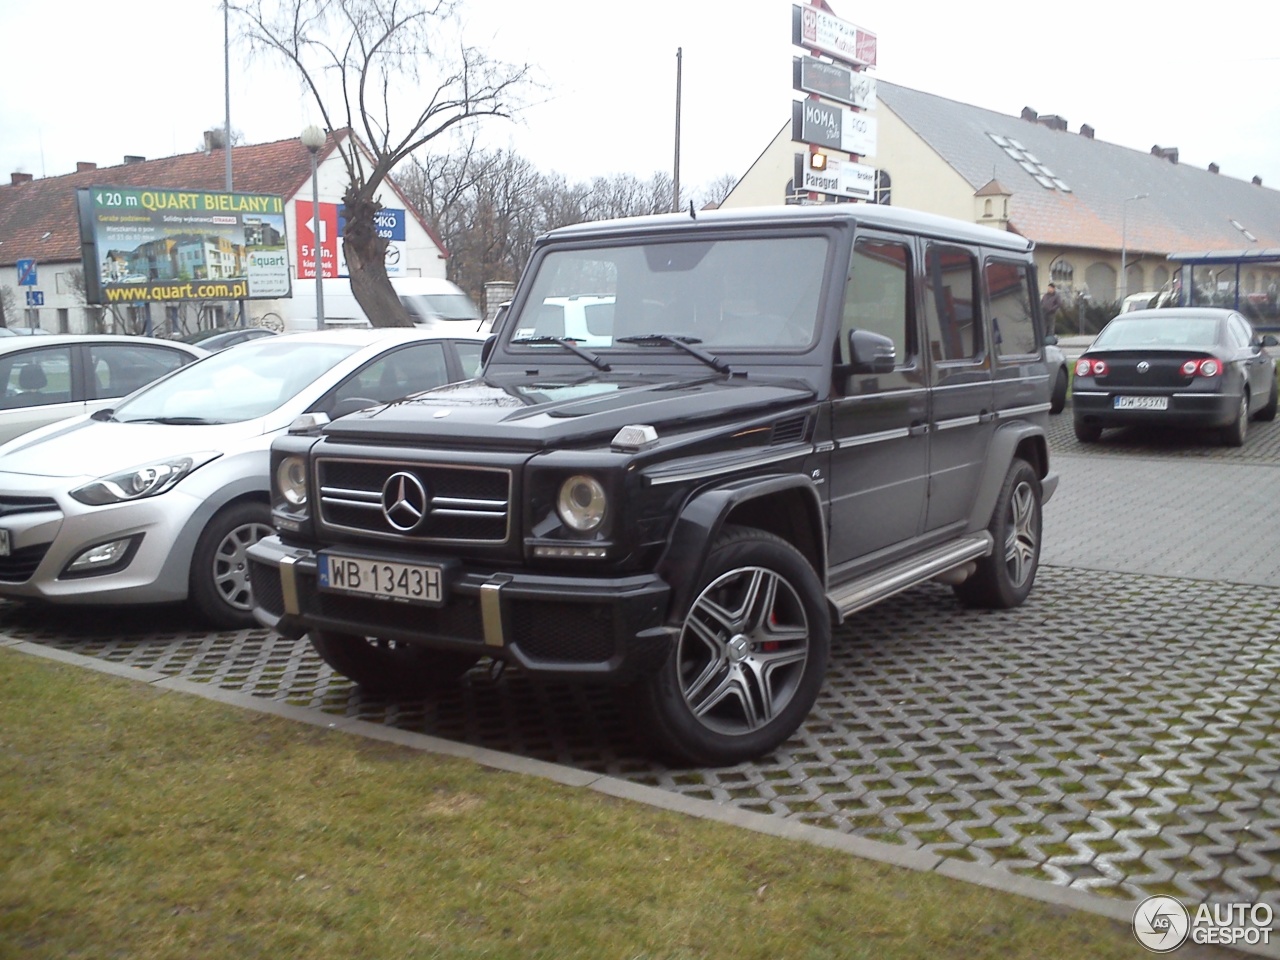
(581, 503)
(103, 556)
(291, 479)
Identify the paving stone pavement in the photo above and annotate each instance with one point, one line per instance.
(1119, 733)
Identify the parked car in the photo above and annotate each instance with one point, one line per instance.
(158, 499)
(1058, 373)
(1197, 367)
(219, 338)
(65, 375)
(782, 416)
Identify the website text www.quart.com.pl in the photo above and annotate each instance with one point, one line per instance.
(178, 291)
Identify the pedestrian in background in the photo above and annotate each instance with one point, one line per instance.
(1050, 304)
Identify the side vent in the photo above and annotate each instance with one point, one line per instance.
(790, 430)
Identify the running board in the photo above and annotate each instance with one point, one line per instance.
(856, 594)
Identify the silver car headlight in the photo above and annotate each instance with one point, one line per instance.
(582, 503)
(291, 480)
(148, 480)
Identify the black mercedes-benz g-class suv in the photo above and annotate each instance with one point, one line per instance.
(698, 443)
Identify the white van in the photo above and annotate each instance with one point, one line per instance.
(431, 301)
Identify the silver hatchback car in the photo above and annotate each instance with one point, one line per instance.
(157, 500)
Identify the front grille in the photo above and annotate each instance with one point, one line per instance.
(463, 504)
(562, 632)
(21, 564)
(459, 619)
(10, 505)
(267, 591)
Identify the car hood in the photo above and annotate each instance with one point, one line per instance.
(540, 411)
(86, 447)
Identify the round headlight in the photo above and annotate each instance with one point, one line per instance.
(581, 503)
(291, 478)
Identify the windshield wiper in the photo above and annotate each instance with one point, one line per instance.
(684, 343)
(572, 346)
(176, 421)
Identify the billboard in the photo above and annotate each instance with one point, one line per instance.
(841, 178)
(839, 39)
(389, 223)
(141, 245)
(834, 82)
(828, 125)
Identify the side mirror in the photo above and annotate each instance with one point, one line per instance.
(487, 349)
(1050, 339)
(871, 352)
(1270, 341)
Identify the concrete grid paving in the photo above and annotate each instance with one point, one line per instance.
(1118, 734)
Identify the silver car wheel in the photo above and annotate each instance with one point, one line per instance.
(743, 650)
(1020, 543)
(231, 564)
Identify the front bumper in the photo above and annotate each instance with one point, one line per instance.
(48, 529)
(1184, 410)
(551, 625)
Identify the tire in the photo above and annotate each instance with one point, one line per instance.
(1234, 434)
(1268, 413)
(1058, 402)
(750, 657)
(219, 587)
(387, 668)
(1005, 577)
(1087, 432)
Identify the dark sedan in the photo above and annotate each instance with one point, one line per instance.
(1189, 367)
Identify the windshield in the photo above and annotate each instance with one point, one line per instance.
(241, 384)
(440, 306)
(1193, 333)
(721, 294)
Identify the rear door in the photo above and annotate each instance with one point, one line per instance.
(1021, 376)
(961, 416)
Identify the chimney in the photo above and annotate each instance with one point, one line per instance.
(1029, 114)
(1053, 121)
(132, 159)
(1213, 168)
(1257, 181)
(1086, 131)
(1165, 153)
(19, 178)
(83, 166)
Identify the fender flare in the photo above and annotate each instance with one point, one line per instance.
(1004, 447)
(703, 517)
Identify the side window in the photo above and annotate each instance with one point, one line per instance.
(34, 378)
(469, 357)
(1013, 328)
(951, 303)
(119, 369)
(1242, 332)
(398, 374)
(878, 297)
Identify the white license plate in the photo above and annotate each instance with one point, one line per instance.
(5, 546)
(1142, 403)
(421, 583)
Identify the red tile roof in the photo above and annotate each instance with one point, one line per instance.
(29, 210)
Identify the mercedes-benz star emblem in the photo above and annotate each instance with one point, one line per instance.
(404, 501)
(1143, 366)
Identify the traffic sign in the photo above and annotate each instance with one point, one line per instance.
(26, 273)
(35, 298)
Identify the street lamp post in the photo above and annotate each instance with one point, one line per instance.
(1124, 241)
(313, 139)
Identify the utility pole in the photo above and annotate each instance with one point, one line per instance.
(675, 179)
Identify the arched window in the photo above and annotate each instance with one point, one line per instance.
(884, 183)
(1159, 277)
(1100, 278)
(986, 207)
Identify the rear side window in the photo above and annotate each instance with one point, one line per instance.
(119, 369)
(878, 296)
(1013, 328)
(951, 303)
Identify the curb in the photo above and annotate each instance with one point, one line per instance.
(1120, 911)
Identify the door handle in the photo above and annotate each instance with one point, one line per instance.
(986, 416)
(918, 429)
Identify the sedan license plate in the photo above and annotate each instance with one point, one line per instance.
(419, 583)
(6, 546)
(1142, 403)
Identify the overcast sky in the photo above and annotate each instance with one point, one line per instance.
(97, 81)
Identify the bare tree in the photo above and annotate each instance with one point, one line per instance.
(354, 58)
(7, 305)
(715, 192)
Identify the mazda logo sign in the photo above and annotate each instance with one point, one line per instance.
(404, 501)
